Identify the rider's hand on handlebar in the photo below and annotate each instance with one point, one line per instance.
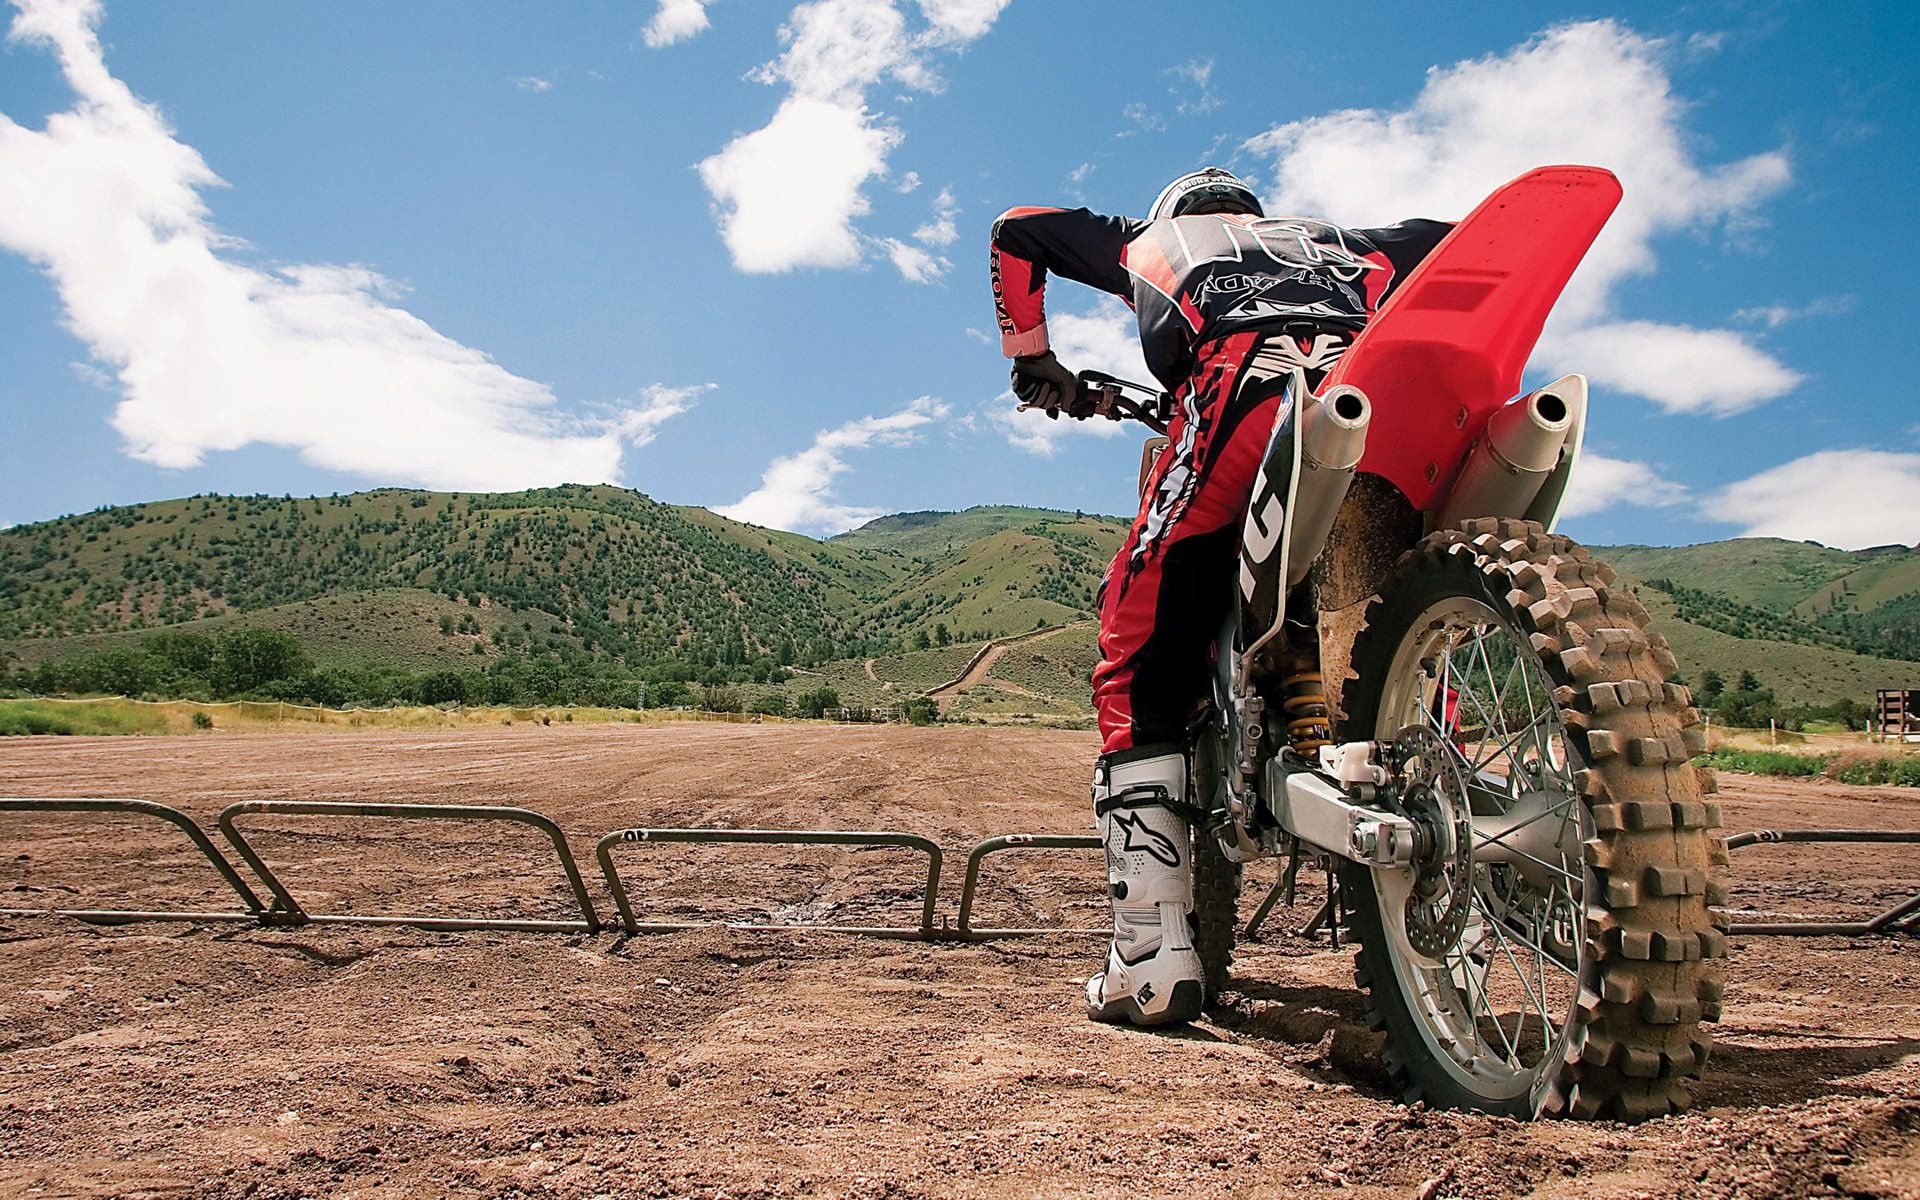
(1041, 382)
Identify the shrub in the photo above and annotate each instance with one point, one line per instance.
(921, 710)
(816, 702)
(15, 723)
(1764, 762)
(773, 704)
(1902, 770)
(202, 720)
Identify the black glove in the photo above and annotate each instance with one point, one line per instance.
(1041, 382)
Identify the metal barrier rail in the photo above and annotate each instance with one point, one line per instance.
(603, 851)
(173, 816)
(1015, 841)
(288, 911)
(1903, 917)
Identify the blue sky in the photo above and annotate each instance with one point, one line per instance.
(732, 254)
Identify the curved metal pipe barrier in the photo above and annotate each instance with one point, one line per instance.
(1903, 917)
(288, 911)
(173, 816)
(1015, 841)
(603, 851)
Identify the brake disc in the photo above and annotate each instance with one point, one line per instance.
(1432, 794)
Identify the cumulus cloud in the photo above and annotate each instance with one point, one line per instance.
(1849, 499)
(797, 491)
(1680, 368)
(1105, 339)
(790, 193)
(1595, 93)
(675, 21)
(211, 354)
(1600, 483)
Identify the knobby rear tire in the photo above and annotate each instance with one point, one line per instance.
(1655, 932)
(1216, 910)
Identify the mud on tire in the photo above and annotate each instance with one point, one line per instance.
(1654, 934)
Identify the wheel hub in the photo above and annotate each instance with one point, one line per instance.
(1431, 795)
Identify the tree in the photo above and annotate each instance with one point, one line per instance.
(816, 702)
(921, 641)
(1749, 682)
(940, 635)
(1711, 685)
(920, 710)
(246, 659)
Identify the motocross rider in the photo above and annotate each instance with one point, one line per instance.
(1229, 302)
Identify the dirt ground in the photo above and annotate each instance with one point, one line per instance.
(222, 1060)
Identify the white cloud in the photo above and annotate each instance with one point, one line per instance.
(1773, 316)
(823, 144)
(532, 83)
(1595, 93)
(675, 21)
(788, 192)
(641, 425)
(211, 354)
(1713, 371)
(961, 20)
(908, 182)
(915, 264)
(1843, 498)
(941, 229)
(1143, 119)
(1105, 339)
(1600, 483)
(797, 491)
(1193, 87)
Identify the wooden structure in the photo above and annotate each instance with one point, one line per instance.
(1899, 714)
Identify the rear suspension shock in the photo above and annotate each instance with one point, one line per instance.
(1305, 702)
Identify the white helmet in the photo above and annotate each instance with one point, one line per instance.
(1208, 190)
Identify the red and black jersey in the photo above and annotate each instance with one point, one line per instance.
(1191, 280)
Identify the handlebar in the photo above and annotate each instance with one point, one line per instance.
(1098, 394)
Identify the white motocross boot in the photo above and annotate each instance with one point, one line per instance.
(1153, 974)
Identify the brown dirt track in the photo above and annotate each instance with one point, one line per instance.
(227, 1061)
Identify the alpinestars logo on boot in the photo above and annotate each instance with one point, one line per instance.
(1138, 837)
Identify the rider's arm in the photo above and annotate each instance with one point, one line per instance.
(1072, 243)
(1406, 244)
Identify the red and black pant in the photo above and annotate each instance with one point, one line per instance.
(1167, 590)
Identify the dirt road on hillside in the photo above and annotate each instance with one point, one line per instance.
(982, 666)
(221, 1061)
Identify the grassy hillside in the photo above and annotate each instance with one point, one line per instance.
(529, 590)
(1797, 673)
(627, 578)
(931, 534)
(1866, 601)
(409, 628)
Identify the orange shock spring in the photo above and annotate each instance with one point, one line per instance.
(1305, 703)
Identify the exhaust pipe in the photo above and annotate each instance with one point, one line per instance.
(1333, 436)
(1510, 461)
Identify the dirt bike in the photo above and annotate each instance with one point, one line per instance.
(1500, 776)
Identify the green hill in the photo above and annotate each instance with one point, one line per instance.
(600, 582)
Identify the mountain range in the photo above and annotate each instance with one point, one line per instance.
(607, 578)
